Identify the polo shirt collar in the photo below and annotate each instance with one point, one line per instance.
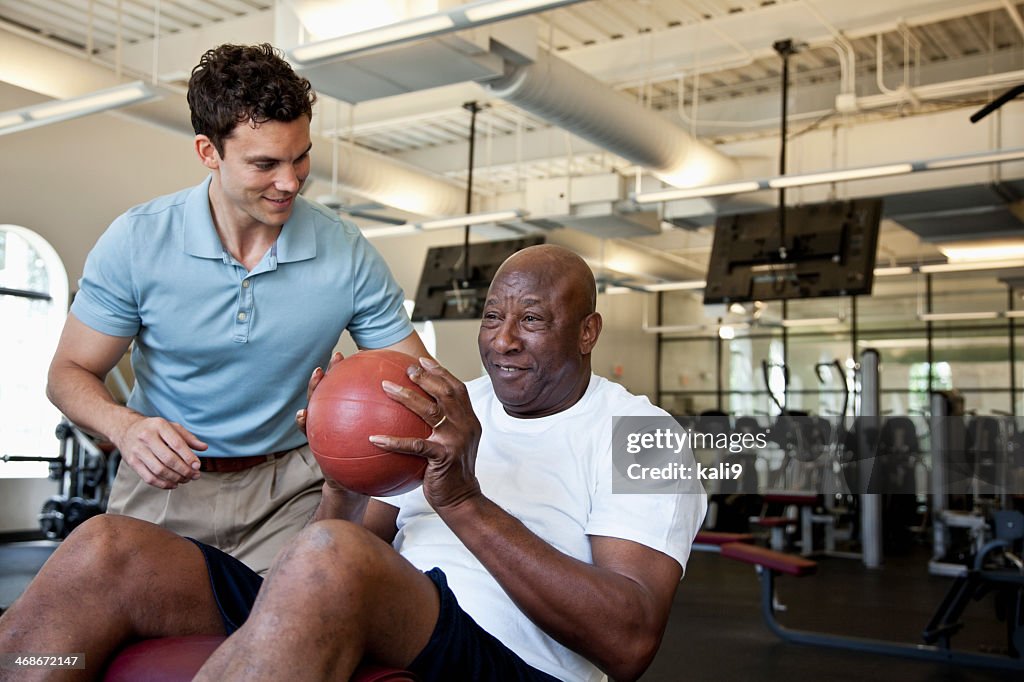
(296, 242)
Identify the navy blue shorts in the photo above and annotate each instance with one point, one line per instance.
(458, 649)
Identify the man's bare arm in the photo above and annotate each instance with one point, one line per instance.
(158, 450)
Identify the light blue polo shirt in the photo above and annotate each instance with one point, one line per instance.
(225, 352)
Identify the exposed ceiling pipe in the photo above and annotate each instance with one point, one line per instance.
(31, 65)
(565, 96)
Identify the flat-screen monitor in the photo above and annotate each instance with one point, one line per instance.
(449, 290)
(827, 250)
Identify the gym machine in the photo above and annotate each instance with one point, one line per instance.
(84, 470)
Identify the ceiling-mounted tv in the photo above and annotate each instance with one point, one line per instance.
(825, 250)
(451, 290)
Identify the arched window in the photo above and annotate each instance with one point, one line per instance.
(33, 306)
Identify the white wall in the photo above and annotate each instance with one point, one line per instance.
(20, 502)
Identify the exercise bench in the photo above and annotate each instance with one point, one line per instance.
(770, 564)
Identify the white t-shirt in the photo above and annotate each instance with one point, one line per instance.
(553, 474)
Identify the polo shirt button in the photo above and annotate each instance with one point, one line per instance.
(245, 284)
(241, 317)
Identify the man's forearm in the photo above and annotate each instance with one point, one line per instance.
(592, 610)
(84, 399)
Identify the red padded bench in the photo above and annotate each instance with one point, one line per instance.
(712, 541)
(178, 659)
(772, 560)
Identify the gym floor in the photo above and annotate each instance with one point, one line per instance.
(716, 633)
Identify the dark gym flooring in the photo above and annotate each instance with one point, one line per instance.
(715, 631)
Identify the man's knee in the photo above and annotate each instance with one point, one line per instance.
(340, 552)
(108, 544)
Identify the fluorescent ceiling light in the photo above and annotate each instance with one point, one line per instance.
(1014, 314)
(951, 317)
(74, 107)
(966, 267)
(981, 251)
(893, 271)
(812, 322)
(676, 329)
(975, 159)
(10, 120)
(676, 286)
(617, 290)
(501, 9)
(826, 177)
(375, 37)
(698, 192)
(454, 19)
(471, 219)
(389, 230)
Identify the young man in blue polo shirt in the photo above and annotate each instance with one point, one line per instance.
(229, 293)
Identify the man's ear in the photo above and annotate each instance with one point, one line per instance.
(590, 329)
(207, 152)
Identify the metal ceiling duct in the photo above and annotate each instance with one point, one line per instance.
(565, 96)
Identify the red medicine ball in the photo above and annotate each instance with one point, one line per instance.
(349, 406)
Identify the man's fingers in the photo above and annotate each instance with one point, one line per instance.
(152, 471)
(166, 455)
(180, 457)
(318, 374)
(426, 408)
(407, 446)
(314, 381)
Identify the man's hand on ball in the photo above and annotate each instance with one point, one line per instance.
(314, 381)
(450, 450)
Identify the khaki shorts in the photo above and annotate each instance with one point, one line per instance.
(248, 514)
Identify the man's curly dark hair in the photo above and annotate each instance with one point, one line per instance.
(235, 84)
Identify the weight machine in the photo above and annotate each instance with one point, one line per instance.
(84, 470)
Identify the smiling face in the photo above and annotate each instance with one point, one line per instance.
(260, 173)
(537, 331)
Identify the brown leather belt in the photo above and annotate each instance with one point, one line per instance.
(230, 465)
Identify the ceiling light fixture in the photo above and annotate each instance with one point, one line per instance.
(956, 317)
(65, 109)
(472, 219)
(987, 250)
(389, 230)
(676, 286)
(968, 267)
(894, 270)
(830, 176)
(842, 175)
(455, 19)
(812, 322)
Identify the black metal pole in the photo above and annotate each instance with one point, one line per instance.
(785, 48)
(928, 330)
(473, 109)
(1012, 329)
(718, 372)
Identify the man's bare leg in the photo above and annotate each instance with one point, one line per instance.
(113, 579)
(336, 595)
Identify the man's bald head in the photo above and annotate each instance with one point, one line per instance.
(556, 262)
(538, 329)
